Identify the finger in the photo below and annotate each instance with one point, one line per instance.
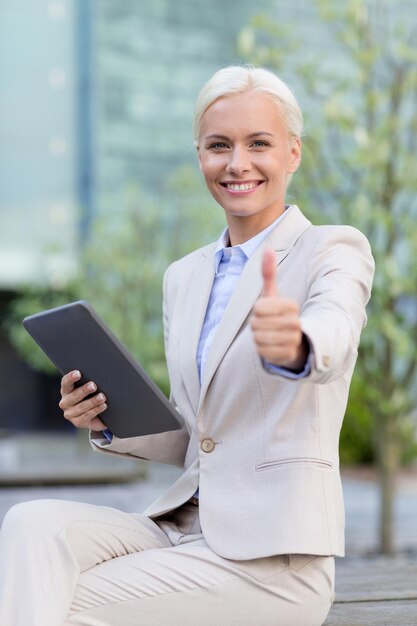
(283, 357)
(68, 381)
(281, 326)
(273, 338)
(81, 408)
(269, 274)
(85, 420)
(77, 395)
(97, 424)
(278, 322)
(275, 306)
(284, 327)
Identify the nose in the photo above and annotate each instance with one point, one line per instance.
(239, 161)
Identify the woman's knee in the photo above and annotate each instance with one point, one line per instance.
(30, 516)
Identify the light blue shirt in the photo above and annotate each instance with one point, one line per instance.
(228, 267)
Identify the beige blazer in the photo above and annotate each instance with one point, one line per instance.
(263, 449)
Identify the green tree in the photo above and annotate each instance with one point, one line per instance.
(121, 269)
(360, 159)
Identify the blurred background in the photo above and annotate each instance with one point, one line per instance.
(100, 191)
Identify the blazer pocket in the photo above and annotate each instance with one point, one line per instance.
(296, 461)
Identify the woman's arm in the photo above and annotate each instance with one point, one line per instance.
(339, 279)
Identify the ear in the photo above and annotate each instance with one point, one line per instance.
(199, 157)
(295, 155)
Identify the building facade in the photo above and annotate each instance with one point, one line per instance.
(96, 96)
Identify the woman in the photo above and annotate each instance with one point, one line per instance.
(261, 334)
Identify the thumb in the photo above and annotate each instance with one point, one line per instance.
(269, 274)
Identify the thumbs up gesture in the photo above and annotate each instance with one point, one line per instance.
(276, 323)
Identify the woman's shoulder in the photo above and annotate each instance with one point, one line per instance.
(188, 262)
(336, 233)
(336, 246)
(312, 235)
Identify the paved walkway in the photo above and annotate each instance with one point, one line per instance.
(371, 590)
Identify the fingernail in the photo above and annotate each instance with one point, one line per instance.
(91, 387)
(76, 375)
(101, 396)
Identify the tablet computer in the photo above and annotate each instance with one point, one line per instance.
(75, 338)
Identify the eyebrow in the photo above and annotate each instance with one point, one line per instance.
(258, 134)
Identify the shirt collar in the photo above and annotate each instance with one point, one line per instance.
(249, 246)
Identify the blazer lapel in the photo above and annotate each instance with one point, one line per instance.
(248, 289)
(195, 308)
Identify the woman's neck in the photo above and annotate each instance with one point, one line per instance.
(242, 229)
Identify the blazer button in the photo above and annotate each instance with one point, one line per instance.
(207, 445)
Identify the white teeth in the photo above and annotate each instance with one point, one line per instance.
(241, 187)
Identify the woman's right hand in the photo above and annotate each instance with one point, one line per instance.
(80, 412)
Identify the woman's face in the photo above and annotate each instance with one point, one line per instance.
(245, 155)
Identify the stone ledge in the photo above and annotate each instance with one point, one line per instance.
(375, 591)
(33, 459)
(388, 613)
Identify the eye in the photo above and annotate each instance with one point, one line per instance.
(259, 143)
(218, 146)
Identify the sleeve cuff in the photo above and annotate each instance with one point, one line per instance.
(282, 371)
(108, 435)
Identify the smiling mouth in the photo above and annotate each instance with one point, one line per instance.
(243, 186)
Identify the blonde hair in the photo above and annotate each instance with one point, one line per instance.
(240, 78)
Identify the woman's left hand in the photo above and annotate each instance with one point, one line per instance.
(276, 323)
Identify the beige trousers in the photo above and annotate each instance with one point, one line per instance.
(72, 564)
